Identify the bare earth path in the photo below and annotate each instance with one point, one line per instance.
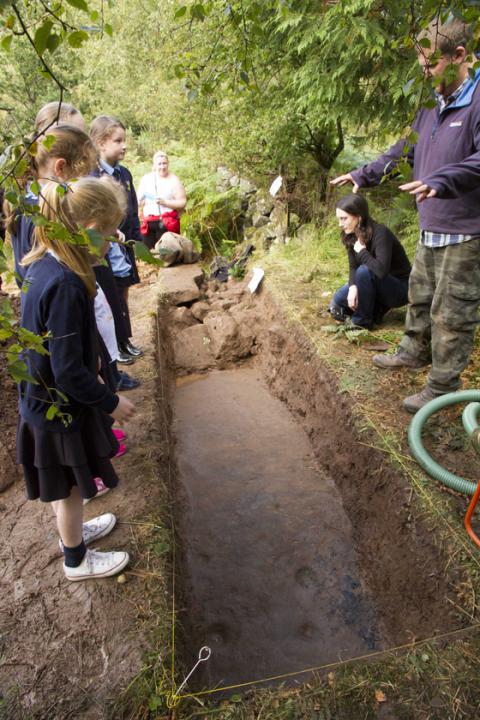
(66, 649)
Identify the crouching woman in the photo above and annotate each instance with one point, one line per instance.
(379, 267)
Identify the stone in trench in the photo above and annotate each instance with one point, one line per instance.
(230, 341)
(182, 316)
(236, 288)
(199, 310)
(180, 283)
(192, 349)
(222, 304)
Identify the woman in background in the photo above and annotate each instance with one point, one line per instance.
(161, 200)
(379, 266)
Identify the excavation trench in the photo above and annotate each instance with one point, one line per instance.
(297, 543)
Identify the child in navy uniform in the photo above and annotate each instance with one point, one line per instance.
(109, 136)
(64, 435)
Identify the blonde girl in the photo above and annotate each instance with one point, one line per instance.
(71, 155)
(64, 436)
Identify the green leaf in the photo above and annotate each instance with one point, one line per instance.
(53, 42)
(6, 42)
(35, 187)
(108, 29)
(179, 72)
(244, 77)
(94, 16)
(19, 371)
(198, 12)
(77, 38)
(154, 702)
(143, 253)
(41, 36)
(80, 4)
(39, 221)
(49, 142)
(425, 42)
(95, 239)
(51, 412)
(160, 548)
(180, 12)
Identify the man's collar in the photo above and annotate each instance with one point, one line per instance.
(443, 101)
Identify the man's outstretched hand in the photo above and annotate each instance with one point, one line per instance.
(421, 190)
(344, 180)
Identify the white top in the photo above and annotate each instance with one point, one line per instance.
(152, 186)
(105, 323)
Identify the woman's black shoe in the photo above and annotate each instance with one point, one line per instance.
(129, 348)
(124, 358)
(338, 313)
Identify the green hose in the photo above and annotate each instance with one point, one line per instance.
(470, 424)
(469, 417)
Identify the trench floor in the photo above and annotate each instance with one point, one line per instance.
(273, 584)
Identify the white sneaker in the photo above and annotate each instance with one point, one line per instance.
(96, 528)
(97, 565)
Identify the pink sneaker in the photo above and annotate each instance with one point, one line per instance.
(121, 451)
(119, 434)
(101, 490)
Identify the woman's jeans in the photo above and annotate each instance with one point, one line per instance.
(375, 296)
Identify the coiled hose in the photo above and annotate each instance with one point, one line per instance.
(469, 419)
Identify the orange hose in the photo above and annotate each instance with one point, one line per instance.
(468, 516)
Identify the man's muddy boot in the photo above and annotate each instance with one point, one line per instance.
(400, 359)
(414, 402)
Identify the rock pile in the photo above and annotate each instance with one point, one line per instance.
(215, 326)
(265, 220)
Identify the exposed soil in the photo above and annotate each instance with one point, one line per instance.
(275, 584)
(231, 512)
(68, 650)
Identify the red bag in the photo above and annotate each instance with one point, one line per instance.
(144, 227)
(171, 221)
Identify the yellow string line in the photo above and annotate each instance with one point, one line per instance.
(338, 663)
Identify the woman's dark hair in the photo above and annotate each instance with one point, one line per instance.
(355, 204)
